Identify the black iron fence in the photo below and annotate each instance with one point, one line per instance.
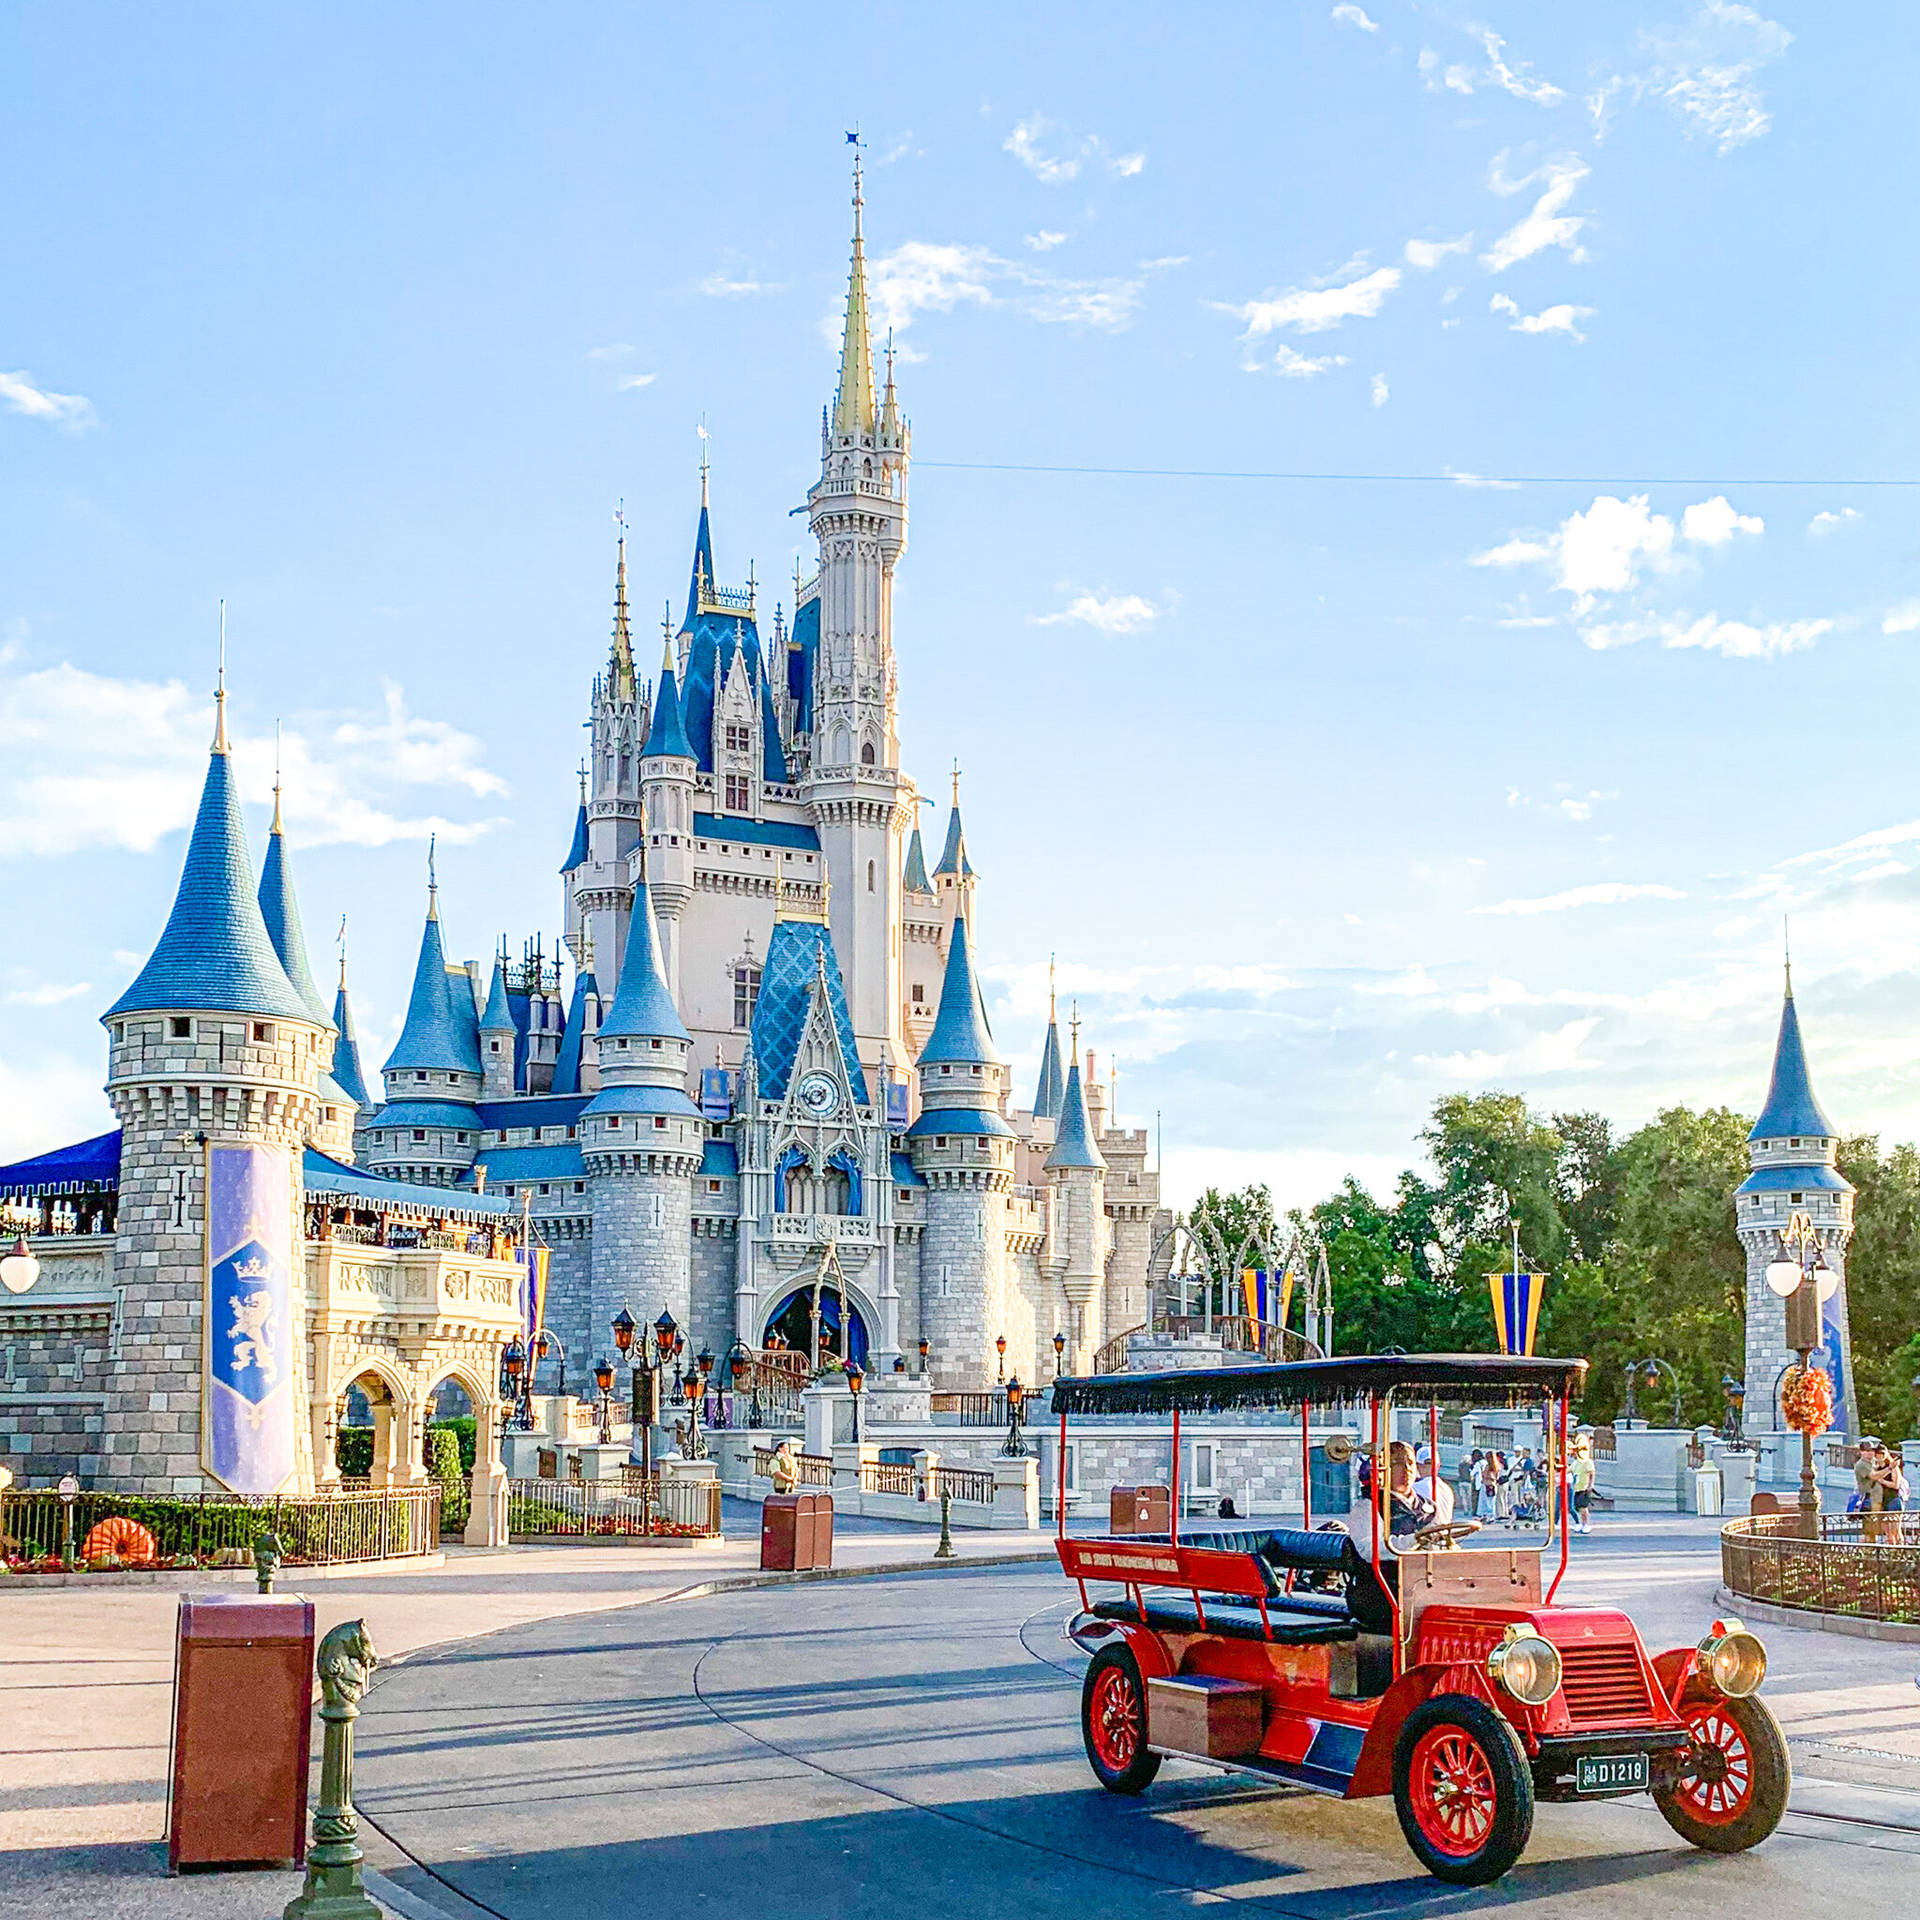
(1863, 1565)
(213, 1529)
(961, 1483)
(636, 1506)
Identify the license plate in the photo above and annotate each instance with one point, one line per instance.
(1610, 1772)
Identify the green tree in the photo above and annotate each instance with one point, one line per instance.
(1883, 1281)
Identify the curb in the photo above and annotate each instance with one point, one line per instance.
(184, 1578)
(741, 1582)
(1898, 1631)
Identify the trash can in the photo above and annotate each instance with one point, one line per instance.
(780, 1532)
(816, 1531)
(1146, 1509)
(1707, 1497)
(242, 1731)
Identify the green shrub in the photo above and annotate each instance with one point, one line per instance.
(461, 1428)
(353, 1451)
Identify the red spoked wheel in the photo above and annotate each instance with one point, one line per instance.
(1113, 1718)
(1733, 1788)
(1462, 1789)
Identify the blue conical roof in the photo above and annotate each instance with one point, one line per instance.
(439, 1034)
(215, 951)
(914, 877)
(667, 737)
(1052, 1090)
(642, 1007)
(702, 562)
(1791, 1108)
(800, 956)
(498, 1017)
(953, 856)
(281, 911)
(573, 1036)
(961, 1035)
(1074, 1145)
(346, 1048)
(577, 853)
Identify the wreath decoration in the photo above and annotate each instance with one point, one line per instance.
(1806, 1398)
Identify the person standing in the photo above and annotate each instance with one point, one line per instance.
(1580, 1481)
(1881, 1487)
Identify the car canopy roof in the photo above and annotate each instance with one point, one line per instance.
(1454, 1379)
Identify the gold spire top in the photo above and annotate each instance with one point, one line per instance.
(220, 689)
(702, 431)
(343, 952)
(433, 883)
(623, 679)
(956, 782)
(1073, 1051)
(1050, 1003)
(853, 405)
(583, 786)
(276, 827)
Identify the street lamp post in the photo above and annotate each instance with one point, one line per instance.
(1802, 1278)
(924, 1346)
(855, 1381)
(1000, 1348)
(740, 1364)
(1650, 1370)
(1015, 1449)
(649, 1358)
(1736, 1397)
(1059, 1349)
(603, 1379)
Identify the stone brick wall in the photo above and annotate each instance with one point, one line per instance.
(962, 1279)
(642, 1245)
(53, 1376)
(711, 1287)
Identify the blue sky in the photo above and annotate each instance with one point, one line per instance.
(1332, 795)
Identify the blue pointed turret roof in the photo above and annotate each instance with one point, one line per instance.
(215, 951)
(702, 556)
(281, 911)
(961, 1035)
(773, 754)
(577, 852)
(914, 876)
(439, 1035)
(573, 1037)
(667, 737)
(498, 1017)
(1051, 1093)
(799, 954)
(1791, 1108)
(953, 856)
(346, 1048)
(1074, 1145)
(642, 1007)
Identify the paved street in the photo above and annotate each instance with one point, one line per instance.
(914, 1739)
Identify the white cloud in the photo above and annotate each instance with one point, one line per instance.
(1708, 72)
(1461, 479)
(24, 395)
(1509, 76)
(925, 276)
(1351, 16)
(1713, 522)
(1829, 522)
(1427, 254)
(633, 382)
(1111, 613)
(1602, 893)
(1544, 225)
(1905, 618)
(97, 761)
(1300, 366)
(725, 286)
(1057, 168)
(1562, 319)
(617, 351)
(1045, 242)
(1737, 639)
(1123, 166)
(1378, 390)
(46, 996)
(1316, 309)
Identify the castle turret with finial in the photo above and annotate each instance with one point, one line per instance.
(1082, 1234)
(1793, 1150)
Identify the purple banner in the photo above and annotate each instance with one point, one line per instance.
(247, 1327)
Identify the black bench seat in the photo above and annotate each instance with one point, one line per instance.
(1231, 1620)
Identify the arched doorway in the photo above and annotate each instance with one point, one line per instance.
(376, 1453)
(792, 1320)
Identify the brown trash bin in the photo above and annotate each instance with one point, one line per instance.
(816, 1530)
(1140, 1510)
(242, 1731)
(780, 1533)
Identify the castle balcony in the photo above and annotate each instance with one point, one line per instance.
(426, 1293)
(820, 1230)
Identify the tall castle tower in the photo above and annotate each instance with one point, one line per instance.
(1082, 1234)
(861, 802)
(964, 1151)
(1792, 1150)
(212, 1048)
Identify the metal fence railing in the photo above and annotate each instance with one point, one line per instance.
(189, 1530)
(1866, 1566)
(961, 1483)
(811, 1469)
(634, 1507)
(887, 1476)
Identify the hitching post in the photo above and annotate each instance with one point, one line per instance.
(944, 1551)
(333, 1890)
(267, 1555)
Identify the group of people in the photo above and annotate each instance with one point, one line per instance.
(1879, 1487)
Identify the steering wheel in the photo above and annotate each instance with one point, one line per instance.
(1445, 1533)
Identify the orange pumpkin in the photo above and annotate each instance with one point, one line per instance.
(123, 1539)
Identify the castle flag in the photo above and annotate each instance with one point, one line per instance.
(247, 1405)
(1267, 1295)
(1516, 1309)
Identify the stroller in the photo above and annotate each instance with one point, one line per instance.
(1529, 1496)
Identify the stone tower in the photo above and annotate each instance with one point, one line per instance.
(497, 1035)
(641, 1139)
(1077, 1172)
(964, 1151)
(667, 768)
(597, 886)
(1792, 1150)
(212, 1047)
(861, 802)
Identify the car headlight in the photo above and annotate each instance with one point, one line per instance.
(1732, 1660)
(1527, 1664)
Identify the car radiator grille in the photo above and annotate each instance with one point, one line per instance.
(1603, 1685)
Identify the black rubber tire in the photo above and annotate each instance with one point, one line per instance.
(1512, 1824)
(1138, 1774)
(1772, 1780)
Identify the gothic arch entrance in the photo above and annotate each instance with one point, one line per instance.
(792, 1320)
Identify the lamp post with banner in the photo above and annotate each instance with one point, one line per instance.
(1802, 1278)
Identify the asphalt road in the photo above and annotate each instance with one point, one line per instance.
(910, 1745)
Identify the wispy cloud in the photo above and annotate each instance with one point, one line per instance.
(1712, 523)
(1351, 16)
(726, 286)
(1427, 254)
(1378, 389)
(23, 394)
(1544, 224)
(632, 382)
(1831, 522)
(1056, 167)
(1315, 309)
(1564, 319)
(1708, 71)
(1110, 613)
(1736, 639)
(1602, 893)
(1045, 241)
(1904, 618)
(46, 996)
(936, 277)
(1509, 76)
(1461, 479)
(1292, 365)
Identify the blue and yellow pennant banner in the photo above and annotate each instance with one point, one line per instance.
(1268, 1295)
(1516, 1309)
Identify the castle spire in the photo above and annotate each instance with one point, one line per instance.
(625, 684)
(853, 404)
(220, 689)
(280, 911)
(1051, 1091)
(1074, 1144)
(961, 1035)
(1792, 1108)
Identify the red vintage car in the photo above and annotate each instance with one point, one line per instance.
(1402, 1661)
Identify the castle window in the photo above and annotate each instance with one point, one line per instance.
(493, 1046)
(460, 1137)
(1793, 1143)
(739, 799)
(739, 740)
(866, 753)
(572, 1131)
(263, 1033)
(713, 1186)
(420, 1073)
(327, 1114)
(869, 876)
(181, 1029)
(622, 1045)
(544, 1189)
(919, 994)
(613, 1120)
(746, 990)
(579, 1186)
(419, 1133)
(655, 1045)
(940, 1140)
(659, 1121)
(1794, 1199)
(945, 1071)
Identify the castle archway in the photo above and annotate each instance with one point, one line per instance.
(792, 1319)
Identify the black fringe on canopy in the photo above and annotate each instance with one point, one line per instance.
(1413, 1379)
